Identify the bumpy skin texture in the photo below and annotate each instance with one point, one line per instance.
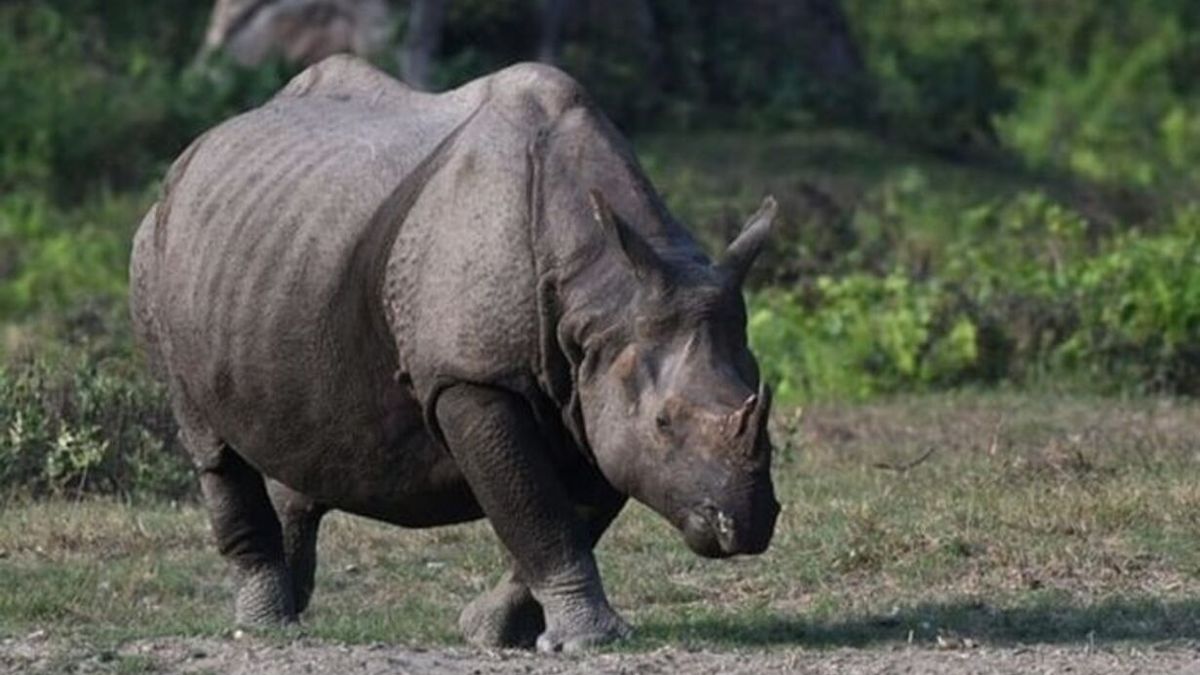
(423, 309)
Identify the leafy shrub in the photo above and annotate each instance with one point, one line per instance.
(860, 335)
(1139, 308)
(1101, 88)
(1028, 290)
(1119, 116)
(79, 112)
(77, 424)
(53, 259)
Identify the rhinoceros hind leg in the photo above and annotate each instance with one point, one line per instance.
(300, 519)
(248, 535)
(505, 616)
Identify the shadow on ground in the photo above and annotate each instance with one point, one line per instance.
(1115, 620)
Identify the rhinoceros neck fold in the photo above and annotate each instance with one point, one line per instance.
(588, 287)
(595, 285)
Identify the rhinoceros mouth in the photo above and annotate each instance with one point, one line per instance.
(712, 533)
(709, 532)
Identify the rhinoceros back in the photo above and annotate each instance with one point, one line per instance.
(266, 251)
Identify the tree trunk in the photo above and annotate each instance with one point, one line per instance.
(302, 31)
(815, 33)
(831, 51)
(422, 41)
(554, 16)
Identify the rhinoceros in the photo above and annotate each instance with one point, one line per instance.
(429, 309)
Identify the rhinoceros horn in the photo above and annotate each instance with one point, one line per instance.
(741, 416)
(745, 248)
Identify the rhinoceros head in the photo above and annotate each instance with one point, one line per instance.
(676, 415)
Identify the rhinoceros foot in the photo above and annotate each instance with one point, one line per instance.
(264, 597)
(505, 616)
(575, 632)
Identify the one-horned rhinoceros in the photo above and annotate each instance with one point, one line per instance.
(428, 309)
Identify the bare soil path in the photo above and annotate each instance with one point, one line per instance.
(311, 657)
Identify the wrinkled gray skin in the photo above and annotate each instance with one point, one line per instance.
(423, 309)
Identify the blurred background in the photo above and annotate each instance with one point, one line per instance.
(976, 194)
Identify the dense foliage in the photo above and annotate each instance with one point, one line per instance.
(1102, 88)
(1024, 292)
(76, 424)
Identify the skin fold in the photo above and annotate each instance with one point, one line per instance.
(429, 309)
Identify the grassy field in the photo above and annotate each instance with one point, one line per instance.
(971, 518)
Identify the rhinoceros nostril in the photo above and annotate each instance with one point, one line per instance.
(724, 524)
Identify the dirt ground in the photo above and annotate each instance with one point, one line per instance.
(260, 657)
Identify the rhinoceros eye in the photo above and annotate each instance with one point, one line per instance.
(662, 422)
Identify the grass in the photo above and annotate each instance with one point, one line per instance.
(1001, 517)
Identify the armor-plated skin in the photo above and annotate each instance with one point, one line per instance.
(422, 309)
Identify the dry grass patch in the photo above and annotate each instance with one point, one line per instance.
(1026, 520)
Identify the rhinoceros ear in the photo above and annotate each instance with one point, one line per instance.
(641, 258)
(745, 248)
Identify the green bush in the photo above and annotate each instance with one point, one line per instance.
(1139, 309)
(1106, 89)
(76, 424)
(860, 335)
(80, 112)
(53, 259)
(1119, 116)
(1027, 290)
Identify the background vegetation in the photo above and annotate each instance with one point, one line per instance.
(1004, 196)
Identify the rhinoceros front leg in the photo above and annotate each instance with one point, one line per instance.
(494, 441)
(507, 615)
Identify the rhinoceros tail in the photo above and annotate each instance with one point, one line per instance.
(142, 272)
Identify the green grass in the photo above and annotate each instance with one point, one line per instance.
(1034, 520)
